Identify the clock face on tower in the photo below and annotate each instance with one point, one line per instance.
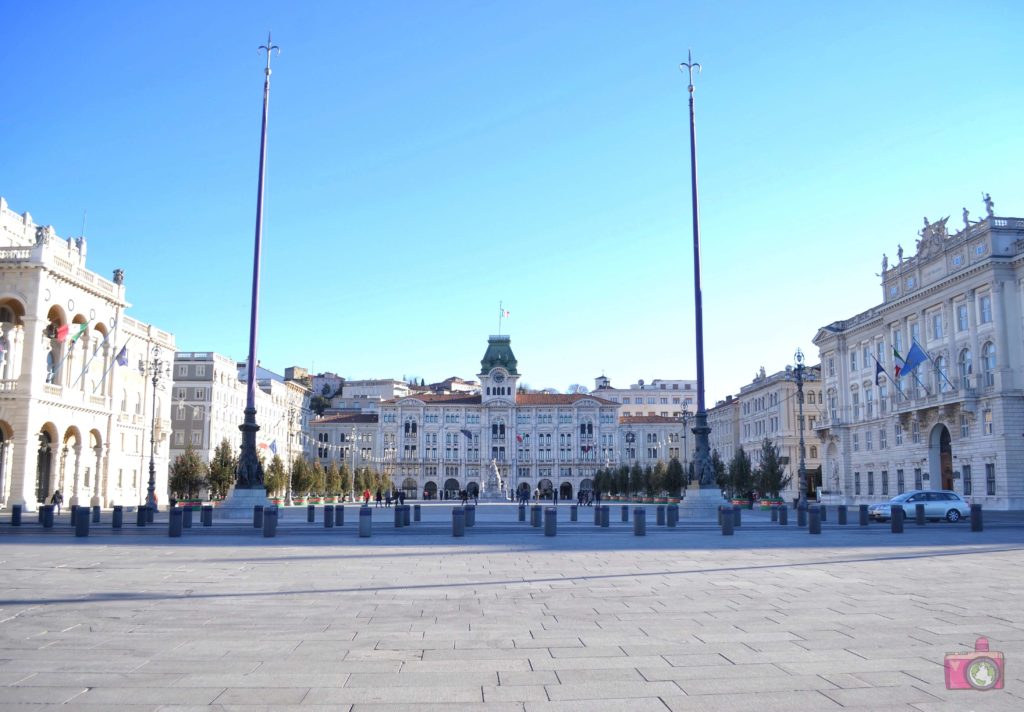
(499, 377)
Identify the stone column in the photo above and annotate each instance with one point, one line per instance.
(1002, 372)
(972, 321)
(77, 491)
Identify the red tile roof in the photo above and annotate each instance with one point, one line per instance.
(347, 418)
(557, 399)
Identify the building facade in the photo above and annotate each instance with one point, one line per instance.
(955, 421)
(78, 413)
(209, 396)
(660, 397)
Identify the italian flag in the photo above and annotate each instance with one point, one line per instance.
(71, 331)
(897, 363)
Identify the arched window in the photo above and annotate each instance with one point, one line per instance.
(965, 367)
(988, 362)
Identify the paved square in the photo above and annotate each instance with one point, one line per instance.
(505, 618)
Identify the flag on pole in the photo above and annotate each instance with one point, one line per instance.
(273, 447)
(505, 313)
(879, 373)
(122, 356)
(915, 357)
(519, 438)
(466, 433)
(72, 331)
(898, 364)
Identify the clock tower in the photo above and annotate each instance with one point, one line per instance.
(498, 375)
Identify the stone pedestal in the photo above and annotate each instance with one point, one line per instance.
(239, 503)
(701, 504)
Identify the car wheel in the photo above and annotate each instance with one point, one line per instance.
(953, 515)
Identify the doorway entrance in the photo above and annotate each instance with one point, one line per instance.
(940, 457)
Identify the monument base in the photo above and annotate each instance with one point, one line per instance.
(701, 503)
(239, 503)
(490, 495)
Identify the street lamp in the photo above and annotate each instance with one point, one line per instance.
(155, 369)
(291, 422)
(802, 503)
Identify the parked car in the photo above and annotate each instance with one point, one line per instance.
(938, 504)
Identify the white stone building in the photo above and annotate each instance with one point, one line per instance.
(724, 421)
(956, 421)
(661, 397)
(73, 416)
(209, 395)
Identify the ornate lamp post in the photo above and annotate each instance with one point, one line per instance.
(702, 448)
(798, 357)
(291, 422)
(249, 474)
(154, 369)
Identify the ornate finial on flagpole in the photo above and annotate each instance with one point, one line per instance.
(269, 47)
(690, 64)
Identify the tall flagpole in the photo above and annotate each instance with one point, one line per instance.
(702, 447)
(249, 474)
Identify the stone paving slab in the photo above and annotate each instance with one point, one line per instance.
(506, 619)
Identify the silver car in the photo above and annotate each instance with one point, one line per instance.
(938, 504)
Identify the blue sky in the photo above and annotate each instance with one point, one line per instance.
(430, 159)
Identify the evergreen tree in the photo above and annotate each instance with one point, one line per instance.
(345, 479)
(318, 479)
(302, 477)
(771, 477)
(637, 481)
(674, 477)
(741, 475)
(649, 481)
(188, 474)
(658, 475)
(222, 469)
(622, 480)
(275, 478)
(332, 479)
(718, 468)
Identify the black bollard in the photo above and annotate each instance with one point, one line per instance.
(365, 521)
(727, 520)
(896, 519)
(919, 514)
(206, 515)
(310, 513)
(39, 513)
(175, 521)
(16, 515)
(328, 516)
(737, 517)
(550, 521)
(470, 515)
(339, 515)
(47, 516)
(639, 522)
(783, 516)
(257, 516)
(842, 513)
(863, 515)
(117, 518)
(458, 521)
(824, 512)
(140, 516)
(416, 512)
(405, 515)
(95, 514)
(81, 522)
(399, 520)
(775, 512)
(801, 515)
(270, 521)
(186, 517)
(74, 513)
(535, 515)
(672, 515)
(659, 515)
(150, 513)
(814, 520)
(605, 515)
(573, 513)
(625, 513)
(522, 512)
(977, 518)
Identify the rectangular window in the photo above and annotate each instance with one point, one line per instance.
(915, 432)
(201, 370)
(937, 325)
(867, 440)
(881, 439)
(179, 439)
(856, 442)
(966, 476)
(898, 432)
(871, 482)
(986, 422)
(915, 332)
(961, 317)
(853, 360)
(831, 366)
(897, 341)
(965, 426)
(856, 483)
(182, 370)
(917, 479)
(885, 483)
(197, 438)
(985, 304)
(990, 479)
(866, 356)
(901, 485)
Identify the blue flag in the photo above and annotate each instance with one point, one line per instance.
(915, 357)
(466, 433)
(879, 373)
(273, 447)
(122, 356)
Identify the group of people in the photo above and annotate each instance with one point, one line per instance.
(384, 496)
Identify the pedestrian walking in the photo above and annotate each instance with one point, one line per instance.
(57, 500)
(387, 499)
(380, 496)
